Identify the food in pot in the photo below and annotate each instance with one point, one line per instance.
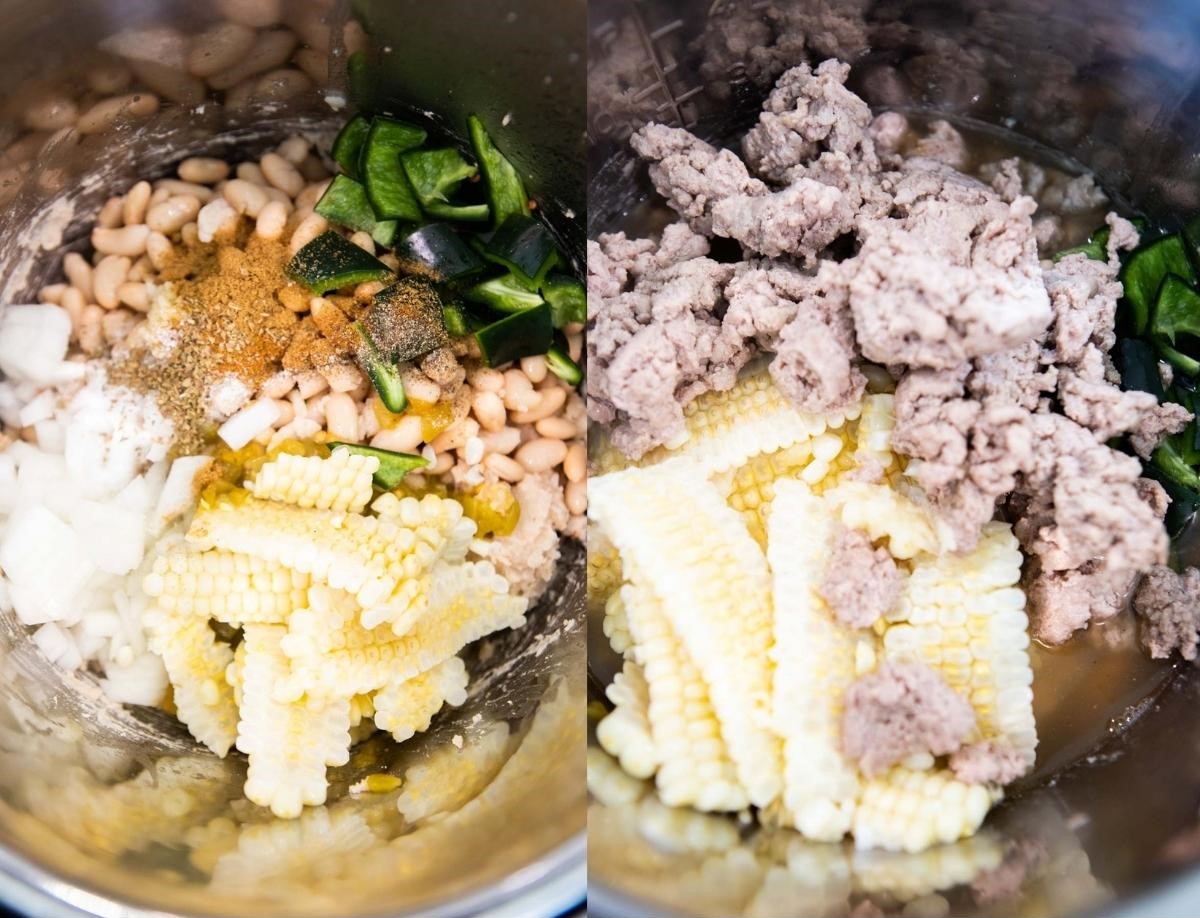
(847, 476)
(273, 461)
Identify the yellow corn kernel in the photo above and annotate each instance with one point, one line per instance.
(406, 708)
(229, 587)
(342, 482)
(911, 811)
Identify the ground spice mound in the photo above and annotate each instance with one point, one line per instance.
(224, 317)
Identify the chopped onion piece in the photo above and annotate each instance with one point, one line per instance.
(249, 423)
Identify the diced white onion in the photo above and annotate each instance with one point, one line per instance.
(249, 423)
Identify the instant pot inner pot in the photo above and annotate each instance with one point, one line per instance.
(1109, 815)
(113, 810)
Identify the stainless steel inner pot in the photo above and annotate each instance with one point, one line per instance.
(1108, 824)
(116, 811)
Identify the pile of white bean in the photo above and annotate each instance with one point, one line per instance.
(507, 422)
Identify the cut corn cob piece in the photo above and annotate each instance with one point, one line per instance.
(328, 623)
(724, 429)
(616, 624)
(609, 783)
(884, 513)
(288, 745)
(695, 768)
(814, 663)
(473, 600)
(750, 487)
(340, 482)
(451, 777)
(965, 616)
(407, 708)
(438, 521)
(698, 560)
(913, 810)
(196, 662)
(229, 587)
(625, 732)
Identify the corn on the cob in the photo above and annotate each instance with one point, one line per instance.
(815, 661)
(406, 708)
(476, 603)
(196, 662)
(873, 434)
(341, 482)
(616, 624)
(229, 587)
(699, 561)
(451, 777)
(910, 811)
(288, 745)
(965, 616)
(750, 487)
(884, 513)
(609, 783)
(327, 623)
(625, 732)
(695, 768)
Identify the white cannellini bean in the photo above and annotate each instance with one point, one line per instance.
(272, 220)
(108, 276)
(278, 385)
(341, 417)
(107, 77)
(549, 401)
(534, 368)
(91, 330)
(109, 216)
(280, 85)
(53, 293)
(275, 195)
(504, 467)
(258, 14)
(79, 273)
(342, 377)
(159, 250)
(203, 170)
(248, 423)
(489, 410)
(455, 436)
(501, 441)
(310, 383)
(201, 193)
(50, 112)
(116, 325)
(271, 49)
(134, 295)
(443, 464)
(245, 197)
(518, 391)
(575, 347)
(170, 216)
(214, 217)
(137, 200)
(169, 82)
(419, 386)
(282, 174)
(129, 241)
(368, 423)
(555, 427)
(541, 454)
(364, 241)
(100, 117)
(405, 437)
(219, 47)
(575, 464)
(294, 149)
(307, 199)
(472, 451)
(249, 172)
(142, 269)
(308, 229)
(74, 303)
(160, 194)
(575, 497)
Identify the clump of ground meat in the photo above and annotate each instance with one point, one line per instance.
(1168, 605)
(526, 557)
(902, 709)
(988, 762)
(862, 582)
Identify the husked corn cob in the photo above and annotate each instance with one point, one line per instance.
(328, 623)
(873, 435)
(815, 661)
(196, 662)
(694, 765)
(884, 513)
(451, 777)
(965, 616)
(406, 708)
(229, 587)
(340, 482)
(609, 783)
(362, 707)
(625, 732)
(697, 558)
(911, 811)
(749, 488)
(438, 521)
(616, 624)
(288, 745)
(478, 604)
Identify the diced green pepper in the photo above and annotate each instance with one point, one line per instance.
(359, 78)
(1168, 461)
(522, 334)
(392, 466)
(437, 251)
(455, 320)
(1138, 363)
(345, 203)
(347, 146)
(506, 191)
(331, 261)
(435, 175)
(388, 188)
(405, 320)
(524, 246)
(384, 374)
(1179, 361)
(562, 366)
(1144, 272)
(1176, 310)
(504, 294)
(567, 298)
(1095, 248)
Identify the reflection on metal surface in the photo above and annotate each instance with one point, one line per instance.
(116, 811)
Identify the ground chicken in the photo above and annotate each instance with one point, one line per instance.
(801, 220)
(902, 709)
(988, 762)
(862, 582)
(944, 144)
(1062, 602)
(890, 132)
(527, 557)
(1168, 605)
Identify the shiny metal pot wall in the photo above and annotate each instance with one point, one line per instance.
(1113, 86)
(115, 811)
